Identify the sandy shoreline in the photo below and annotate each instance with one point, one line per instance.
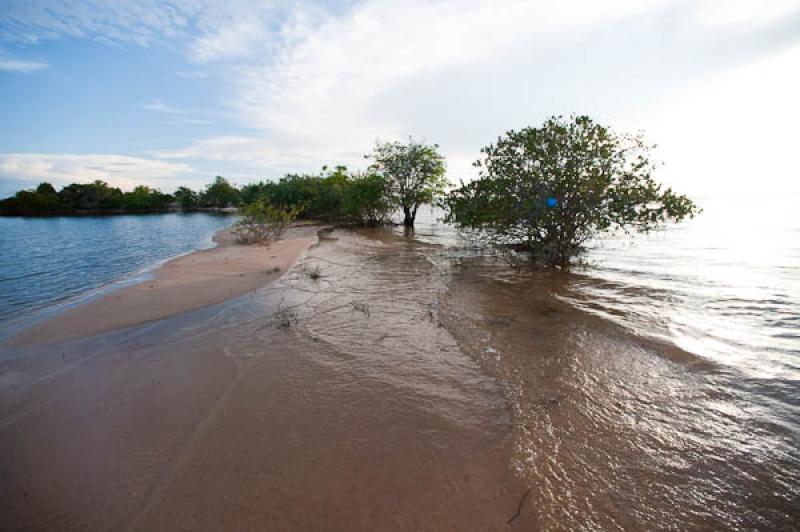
(387, 393)
(360, 413)
(185, 283)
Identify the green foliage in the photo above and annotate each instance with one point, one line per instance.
(221, 194)
(83, 198)
(262, 222)
(46, 199)
(91, 197)
(414, 174)
(319, 197)
(187, 198)
(333, 196)
(145, 199)
(548, 190)
(253, 192)
(366, 200)
(43, 200)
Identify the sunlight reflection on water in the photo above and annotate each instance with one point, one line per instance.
(724, 286)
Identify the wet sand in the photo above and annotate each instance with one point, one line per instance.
(185, 283)
(337, 403)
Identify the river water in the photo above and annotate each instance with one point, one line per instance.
(655, 387)
(59, 260)
(413, 381)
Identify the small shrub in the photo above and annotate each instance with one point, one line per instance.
(313, 273)
(261, 222)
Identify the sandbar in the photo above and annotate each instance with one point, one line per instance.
(185, 283)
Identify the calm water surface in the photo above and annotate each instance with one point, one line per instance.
(46, 261)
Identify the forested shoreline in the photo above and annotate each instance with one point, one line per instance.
(99, 198)
(543, 191)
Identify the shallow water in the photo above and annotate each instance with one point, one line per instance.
(46, 261)
(655, 387)
(614, 431)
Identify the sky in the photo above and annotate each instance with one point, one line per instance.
(175, 92)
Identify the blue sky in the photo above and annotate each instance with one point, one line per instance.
(173, 93)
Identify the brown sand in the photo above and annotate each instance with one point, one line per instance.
(185, 283)
(340, 422)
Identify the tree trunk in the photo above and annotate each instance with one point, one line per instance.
(408, 216)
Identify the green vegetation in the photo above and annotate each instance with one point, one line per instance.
(89, 198)
(261, 222)
(187, 198)
(333, 196)
(542, 191)
(547, 191)
(414, 174)
(145, 199)
(221, 194)
(100, 198)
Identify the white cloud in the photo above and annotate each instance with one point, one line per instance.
(178, 116)
(217, 30)
(218, 149)
(161, 107)
(231, 42)
(461, 72)
(134, 21)
(119, 170)
(256, 153)
(189, 121)
(192, 74)
(332, 87)
(744, 14)
(310, 86)
(17, 65)
(25, 66)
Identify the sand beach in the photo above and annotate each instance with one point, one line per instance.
(182, 284)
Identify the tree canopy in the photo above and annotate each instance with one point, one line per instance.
(98, 197)
(414, 174)
(549, 190)
(221, 194)
(336, 195)
(84, 198)
(187, 198)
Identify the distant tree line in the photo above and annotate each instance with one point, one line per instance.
(543, 192)
(101, 198)
(401, 177)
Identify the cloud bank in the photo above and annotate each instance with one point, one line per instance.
(119, 170)
(311, 83)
